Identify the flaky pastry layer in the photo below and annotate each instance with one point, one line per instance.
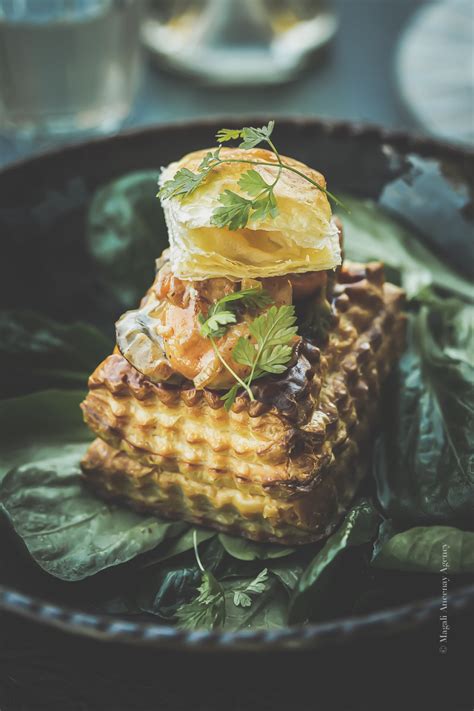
(300, 238)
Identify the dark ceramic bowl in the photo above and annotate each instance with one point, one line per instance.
(43, 262)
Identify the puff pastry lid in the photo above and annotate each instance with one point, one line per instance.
(301, 238)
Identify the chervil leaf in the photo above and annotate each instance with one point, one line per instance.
(210, 160)
(274, 359)
(207, 610)
(218, 316)
(268, 129)
(244, 352)
(252, 182)
(215, 324)
(272, 332)
(221, 314)
(221, 319)
(184, 183)
(256, 587)
(275, 327)
(229, 398)
(265, 207)
(253, 136)
(238, 210)
(235, 212)
(228, 134)
(241, 598)
(254, 297)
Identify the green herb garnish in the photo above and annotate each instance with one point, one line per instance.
(272, 332)
(185, 181)
(236, 210)
(207, 610)
(255, 587)
(222, 314)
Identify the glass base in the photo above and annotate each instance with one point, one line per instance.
(232, 64)
(65, 126)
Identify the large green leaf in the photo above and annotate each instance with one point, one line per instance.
(428, 549)
(126, 233)
(68, 531)
(37, 353)
(39, 426)
(359, 527)
(370, 233)
(269, 610)
(287, 571)
(176, 546)
(422, 464)
(243, 549)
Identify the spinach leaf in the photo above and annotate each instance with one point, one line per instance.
(176, 546)
(288, 572)
(126, 233)
(370, 233)
(39, 426)
(268, 610)
(428, 549)
(68, 531)
(36, 353)
(314, 586)
(423, 462)
(166, 587)
(244, 549)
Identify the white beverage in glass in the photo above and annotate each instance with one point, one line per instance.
(67, 66)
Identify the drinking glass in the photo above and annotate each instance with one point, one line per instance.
(67, 66)
(238, 41)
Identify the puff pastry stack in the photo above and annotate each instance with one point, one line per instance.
(284, 466)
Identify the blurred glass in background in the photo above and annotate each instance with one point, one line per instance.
(67, 66)
(231, 42)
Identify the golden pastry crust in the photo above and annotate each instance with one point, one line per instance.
(301, 238)
(306, 516)
(281, 468)
(290, 186)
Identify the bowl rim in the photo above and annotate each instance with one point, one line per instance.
(404, 140)
(297, 637)
(312, 635)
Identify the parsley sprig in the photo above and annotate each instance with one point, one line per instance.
(271, 353)
(255, 587)
(236, 210)
(185, 182)
(272, 332)
(207, 610)
(222, 313)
